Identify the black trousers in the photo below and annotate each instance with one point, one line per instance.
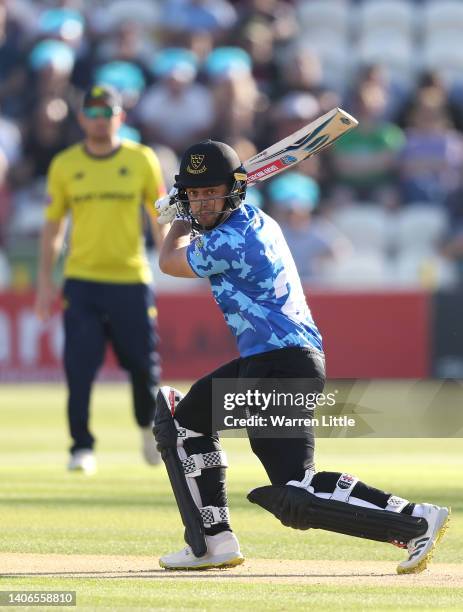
(97, 313)
(283, 458)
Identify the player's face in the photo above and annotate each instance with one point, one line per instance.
(100, 123)
(206, 202)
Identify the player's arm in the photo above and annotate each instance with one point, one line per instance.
(173, 258)
(51, 243)
(52, 238)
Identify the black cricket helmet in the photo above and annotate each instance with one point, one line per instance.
(207, 164)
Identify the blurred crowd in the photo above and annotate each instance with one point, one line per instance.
(383, 207)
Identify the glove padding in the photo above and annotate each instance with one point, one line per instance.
(166, 207)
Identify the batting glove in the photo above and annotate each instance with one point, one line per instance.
(166, 207)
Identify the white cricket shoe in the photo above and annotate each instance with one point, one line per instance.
(421, 549)
(223, 550)
(149, 451)
(82, 461)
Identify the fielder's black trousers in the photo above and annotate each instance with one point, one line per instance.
(283, 458)
(97, 313)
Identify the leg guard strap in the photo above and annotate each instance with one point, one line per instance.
(342, 490)
(347, 488)
(201, 461)
(297, 508)
(344, 487)
(212, 515)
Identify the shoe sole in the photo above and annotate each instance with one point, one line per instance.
(205, 566)
(423, 563)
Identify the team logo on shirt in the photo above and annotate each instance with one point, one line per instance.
(195, 166)
(199, 243)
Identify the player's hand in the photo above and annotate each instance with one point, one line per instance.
(46, 295)
(166, 208)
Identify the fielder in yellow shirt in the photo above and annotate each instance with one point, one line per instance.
(102, 184)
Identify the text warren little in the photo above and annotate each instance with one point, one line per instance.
(282, 421)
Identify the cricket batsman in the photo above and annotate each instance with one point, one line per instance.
(254, 281)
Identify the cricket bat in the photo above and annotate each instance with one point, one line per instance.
(310, 139)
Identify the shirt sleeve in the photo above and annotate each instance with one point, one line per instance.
(57, 205)
(208, 254)
(154, 187)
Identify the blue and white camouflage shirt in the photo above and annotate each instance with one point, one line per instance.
(255, 282)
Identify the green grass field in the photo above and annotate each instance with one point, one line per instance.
(100, 536)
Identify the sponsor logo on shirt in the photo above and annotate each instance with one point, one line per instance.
(104, 195)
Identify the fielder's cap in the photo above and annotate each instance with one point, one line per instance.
(175, 62)
(209, 163)
(63, 22)
(54, 53)
(102, 95)
(126, 77)
(294, 190)
(226, 62)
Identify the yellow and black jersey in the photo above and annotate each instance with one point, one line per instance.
(104, 196)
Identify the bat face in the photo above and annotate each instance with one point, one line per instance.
(310, 139)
